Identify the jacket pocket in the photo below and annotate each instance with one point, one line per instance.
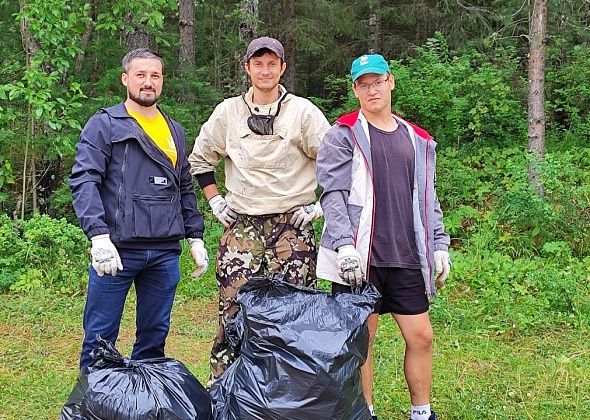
(156, 217)
(263, 151)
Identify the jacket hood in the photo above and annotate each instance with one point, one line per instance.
(350, 120)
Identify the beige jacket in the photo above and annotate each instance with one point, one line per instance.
(263, 174)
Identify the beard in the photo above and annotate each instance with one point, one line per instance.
(144, 101)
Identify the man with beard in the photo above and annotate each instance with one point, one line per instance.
(267, 139)
(133, 196)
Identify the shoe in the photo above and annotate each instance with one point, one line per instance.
(373, 417)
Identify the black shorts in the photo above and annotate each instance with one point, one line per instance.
(402, 290)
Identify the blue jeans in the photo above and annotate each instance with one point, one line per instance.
(156, 274)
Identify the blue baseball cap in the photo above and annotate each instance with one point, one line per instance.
(368, 63)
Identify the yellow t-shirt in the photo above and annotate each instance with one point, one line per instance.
(157, 129)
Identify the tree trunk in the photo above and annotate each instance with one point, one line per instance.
(137, 38)
(374, 26)
(248, 30)
(216, 44)
(31, 46)
(186, 23)
(290, 45)
(536, 93)
(86, 37)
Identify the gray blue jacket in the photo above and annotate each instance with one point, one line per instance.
(124, 185)
(345, 173)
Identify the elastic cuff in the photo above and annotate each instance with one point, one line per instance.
(97, 231)
(205, 179)
(441, 247)
(191, 241)
(101, 236)
(343, 241)
(194, 235)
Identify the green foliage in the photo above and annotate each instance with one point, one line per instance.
(60, 202)
(521, 259)
(6, 177)
(494, 182)
(136, 15)
(197, 95)
(56, 26)
(459, 98)
(9, 242)
(568, 91)
(42, 253)
(526, 293)
(339, 98)
(561, 215)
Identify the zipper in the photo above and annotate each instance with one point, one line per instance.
(154, 197)
(123, 167)
(146, 143)
(426, 228)
(373, 207)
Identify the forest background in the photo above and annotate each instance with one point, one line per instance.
(511, 324)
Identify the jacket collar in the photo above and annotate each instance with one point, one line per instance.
(119, 111)
(268, 108)
(349, 120)
(352, 118)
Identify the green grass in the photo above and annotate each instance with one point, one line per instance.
(478, 373)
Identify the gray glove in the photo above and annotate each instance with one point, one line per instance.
(348, 263)
(306, 214)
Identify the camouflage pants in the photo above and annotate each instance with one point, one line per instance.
(258, 245)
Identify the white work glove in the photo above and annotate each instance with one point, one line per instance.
(105, 258)
(442, 266)
(306, 214)
(348, 263)
(221, 210)
(199, 254)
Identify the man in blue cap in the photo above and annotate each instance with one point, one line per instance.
(383, 221)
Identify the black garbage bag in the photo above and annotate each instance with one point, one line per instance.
(71, 409)
(300, 355)
(119, 388)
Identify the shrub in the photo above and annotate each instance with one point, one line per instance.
(568, 91)
(460, 98)
(42, 252)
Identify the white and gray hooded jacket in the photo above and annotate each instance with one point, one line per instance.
(345, 173)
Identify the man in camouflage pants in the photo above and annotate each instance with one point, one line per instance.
(268, 141)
